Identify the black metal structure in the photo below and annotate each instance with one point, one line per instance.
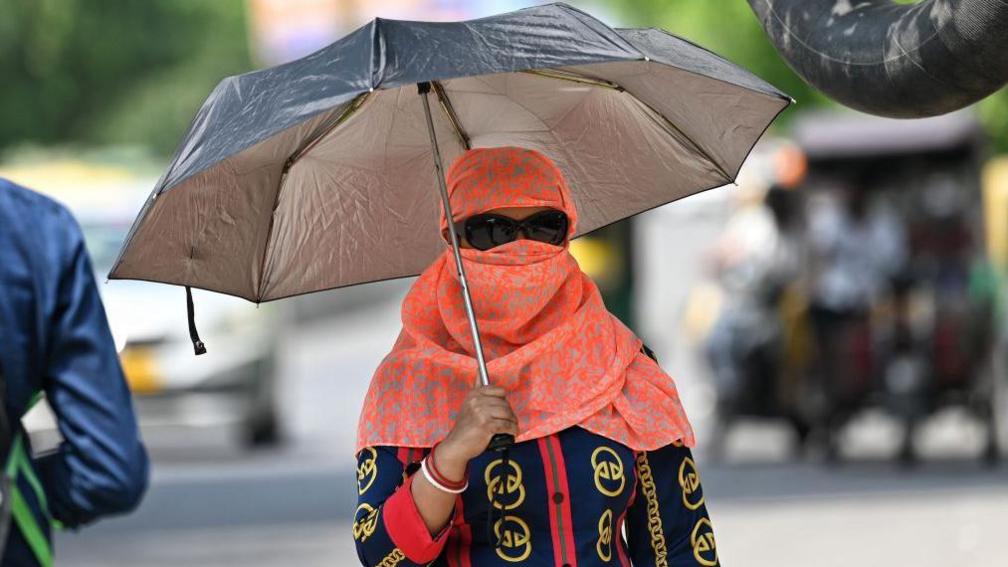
(896, 60)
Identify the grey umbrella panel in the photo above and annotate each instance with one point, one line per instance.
(346, 194)
(246, 109)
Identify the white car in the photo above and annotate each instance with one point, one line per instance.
(234, 382)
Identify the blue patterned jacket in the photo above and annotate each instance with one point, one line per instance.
(572, 498)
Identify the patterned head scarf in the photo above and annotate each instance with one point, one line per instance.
(490, 178)
(547, 337)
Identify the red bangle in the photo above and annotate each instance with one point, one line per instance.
(441, 478)
(432, 467)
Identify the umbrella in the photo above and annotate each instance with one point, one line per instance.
(326, 171)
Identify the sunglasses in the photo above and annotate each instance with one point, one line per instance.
(487, 230)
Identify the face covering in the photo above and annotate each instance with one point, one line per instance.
(547, 336)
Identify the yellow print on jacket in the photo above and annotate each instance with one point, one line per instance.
(365, 522)
(367, 470)
(689, 481)
(655, 528)
(704, 546)
(608, 467)
(394, 558)
(604, 544)
(515, 539)
(510, 493)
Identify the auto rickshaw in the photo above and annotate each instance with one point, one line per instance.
(906, 317)
(896, 300)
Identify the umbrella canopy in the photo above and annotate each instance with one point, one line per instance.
(318, 173)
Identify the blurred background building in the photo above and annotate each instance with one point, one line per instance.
(834, 322)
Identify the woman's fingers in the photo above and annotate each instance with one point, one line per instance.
(486, 412)
(494, 407)
(504, 426)
(492, 411)
(498, 412)
(490, 391)
(493, 396)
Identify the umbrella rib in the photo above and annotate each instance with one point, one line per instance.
(449, 111)
(665, 123)
(314, 141)
(574, 78)
(298, 154)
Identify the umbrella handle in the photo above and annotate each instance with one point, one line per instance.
(500, 442)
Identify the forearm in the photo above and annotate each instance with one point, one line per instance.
(436, 505)
(414, 514)
(388, 526)
(80, 490)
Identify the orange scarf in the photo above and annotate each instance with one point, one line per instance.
(547, 337)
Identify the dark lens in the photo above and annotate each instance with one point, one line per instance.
(547, 226)
(502, 230)
(486, 231)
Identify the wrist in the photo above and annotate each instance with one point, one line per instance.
(439, 481)
(450, 462)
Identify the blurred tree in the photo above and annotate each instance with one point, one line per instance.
(135, 71)
(729, 28)
(113, 72)
(994, 115)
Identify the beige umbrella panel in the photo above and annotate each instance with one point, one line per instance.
(350, 196)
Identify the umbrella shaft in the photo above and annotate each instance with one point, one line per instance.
(484, 378)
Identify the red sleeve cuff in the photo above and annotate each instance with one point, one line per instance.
(407, 529)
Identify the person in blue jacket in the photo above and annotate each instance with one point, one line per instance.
(55, 339)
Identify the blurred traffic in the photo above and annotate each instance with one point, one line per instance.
(858, 276)
(234, 384)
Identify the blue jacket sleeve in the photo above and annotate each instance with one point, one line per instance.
(101, 467)
(667, 523)
(388, 528)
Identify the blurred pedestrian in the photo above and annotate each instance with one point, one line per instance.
(857, 246)
(55, 340)
(758, 265)
(602, 439)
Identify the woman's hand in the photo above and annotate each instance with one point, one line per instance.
(484, 413)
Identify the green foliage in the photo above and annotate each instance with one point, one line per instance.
(994, 115)
(114, 71)
(134, 72)
(729, 28)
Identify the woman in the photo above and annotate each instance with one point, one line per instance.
(602, 440)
